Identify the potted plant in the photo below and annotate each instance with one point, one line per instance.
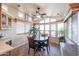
(34, 30)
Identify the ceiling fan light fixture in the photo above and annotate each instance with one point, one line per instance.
(18, 5)
(38, 16)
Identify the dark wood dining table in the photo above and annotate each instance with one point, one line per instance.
(40, 40)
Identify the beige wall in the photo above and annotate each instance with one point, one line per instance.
(11, 33)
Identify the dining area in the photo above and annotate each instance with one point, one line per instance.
(39, 43)
(36, 30)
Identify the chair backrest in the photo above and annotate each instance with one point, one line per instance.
(30, 41)
(62, 39)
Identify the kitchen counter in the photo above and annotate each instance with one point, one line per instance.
(4, 39)
(4, 48)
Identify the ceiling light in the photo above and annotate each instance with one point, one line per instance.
(18, 5)
(38, 16)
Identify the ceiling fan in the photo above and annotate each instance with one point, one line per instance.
(44, 14)
(38, 11)
(38, 14)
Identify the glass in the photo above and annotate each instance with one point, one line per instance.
(41, 27)
(53, 33)
(47, 27)
(53, 26)
(20, 14)
(60, 26)
(19, 27)
(29, 19)
(4, 7)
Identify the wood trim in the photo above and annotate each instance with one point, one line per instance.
(59, 21)
(20, 20)
(74, 5)
(68, 16)
(7, 25)
(0, 16)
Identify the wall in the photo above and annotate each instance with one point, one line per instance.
(11, 33)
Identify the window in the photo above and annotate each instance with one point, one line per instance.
(74, 29)
(29, 19)
(19, 27)
(60, 29)
(69, 28)
(53, 26)
(41, 27)
(60, 26)
(28, 26)
(47, 32)
(4, 7)
(53, 30)
(20, 14)
(42, 32)
(53, 33)
(47, 27)
(4, 22)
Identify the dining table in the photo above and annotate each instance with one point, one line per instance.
(40, 40)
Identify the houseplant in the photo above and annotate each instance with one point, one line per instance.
(33, 30)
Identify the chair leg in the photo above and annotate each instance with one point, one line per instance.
(47, 51)
(29, 51)
(49, 47)
(34, 52)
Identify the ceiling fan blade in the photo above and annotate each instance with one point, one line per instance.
(43, 14)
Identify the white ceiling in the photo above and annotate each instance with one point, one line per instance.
(51, 9)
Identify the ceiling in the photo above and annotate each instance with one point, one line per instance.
(51, 9)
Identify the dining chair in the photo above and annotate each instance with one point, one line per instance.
(62, 39)
(32, 45)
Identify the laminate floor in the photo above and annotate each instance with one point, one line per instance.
(23, 51)
(68, 50)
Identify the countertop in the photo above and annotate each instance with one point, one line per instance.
(4, 48)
